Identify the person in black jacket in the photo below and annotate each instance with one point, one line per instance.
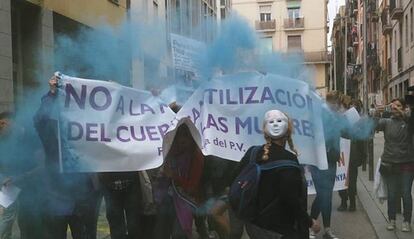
(282, 193)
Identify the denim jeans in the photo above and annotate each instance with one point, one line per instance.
(7, 220)
(400, 182)
(324, 181)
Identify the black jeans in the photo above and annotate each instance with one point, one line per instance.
(400, 182)
(82, 221)
(167, 225)
(236, 225)
(350, 193)
(123, 211)
(30, 215)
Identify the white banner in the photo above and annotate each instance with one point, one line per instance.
(341, 180)
(108, 127)
(228, 112)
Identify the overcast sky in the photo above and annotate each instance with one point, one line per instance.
(333, 7)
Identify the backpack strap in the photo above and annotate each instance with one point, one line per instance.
(280, 164)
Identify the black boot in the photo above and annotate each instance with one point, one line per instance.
(343, 206)
(352, 205)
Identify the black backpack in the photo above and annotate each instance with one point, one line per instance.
(243, 190)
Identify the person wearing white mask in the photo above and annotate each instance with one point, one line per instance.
(282, 193)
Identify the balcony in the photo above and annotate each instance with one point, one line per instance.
(266, 26)
(396, 9)
(374, 16)
(316, 57)
(292, 24)
(386, 23)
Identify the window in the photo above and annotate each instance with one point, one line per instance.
(266, 45)
(406, 30)
(395, 46)
(294, 43)
(265, 13)
(222, 13)
(412, 25)
(293, 13)
(406, 87)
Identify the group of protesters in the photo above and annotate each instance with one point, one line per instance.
(191, 189)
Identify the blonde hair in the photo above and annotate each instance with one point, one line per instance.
(270, 141)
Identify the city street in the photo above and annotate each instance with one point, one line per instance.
(130, 99)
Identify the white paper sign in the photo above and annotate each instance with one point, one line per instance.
(8, 195)
(186, 53)
(352, 116)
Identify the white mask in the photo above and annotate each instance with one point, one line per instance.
(276, 124)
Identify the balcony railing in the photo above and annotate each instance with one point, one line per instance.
(266, 25)
(294, 23)
(396, 9)
(374, 16)
(316, 57)
(400, 63)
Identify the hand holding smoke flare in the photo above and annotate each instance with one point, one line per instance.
(54, 82)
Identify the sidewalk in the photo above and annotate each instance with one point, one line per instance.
(376, 211)
(348, 225)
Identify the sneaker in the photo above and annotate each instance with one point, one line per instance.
(406, 227)
(391, 225)
(329, 235)
(312, 234)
